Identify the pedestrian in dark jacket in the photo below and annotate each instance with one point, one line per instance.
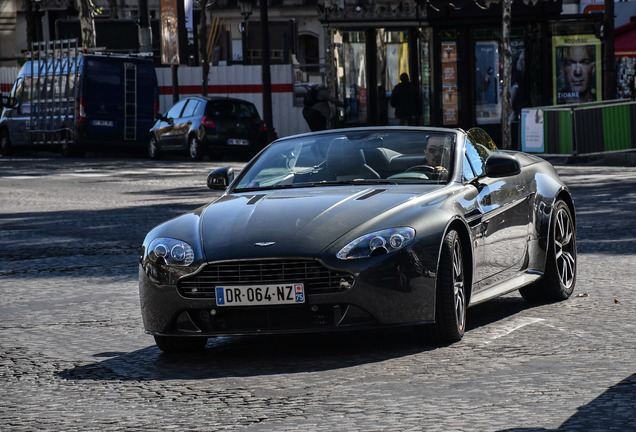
(317, 111)
(406, 101)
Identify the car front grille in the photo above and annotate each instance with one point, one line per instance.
(316, 277)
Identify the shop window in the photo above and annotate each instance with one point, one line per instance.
(351, 75)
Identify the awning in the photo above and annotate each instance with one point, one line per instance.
(625, 40)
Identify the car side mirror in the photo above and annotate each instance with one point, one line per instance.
(163, 118)
(8, 102)
(220, 178)
(502, 165)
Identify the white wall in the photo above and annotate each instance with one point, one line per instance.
(7, 78)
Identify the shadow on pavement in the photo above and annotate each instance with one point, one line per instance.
(240, 356)
(613, 410)
(244, 356)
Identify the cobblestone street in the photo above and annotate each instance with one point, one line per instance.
(74, 356)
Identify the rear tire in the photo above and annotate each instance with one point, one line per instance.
(560, 269)
(5, 143)
(176, 344)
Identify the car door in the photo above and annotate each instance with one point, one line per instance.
(183, 124)
(167, 130)
(501, 220)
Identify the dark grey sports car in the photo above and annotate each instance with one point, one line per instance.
(358, 228)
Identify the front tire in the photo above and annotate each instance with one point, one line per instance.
(560, 269)
(177, 344)
(153, 148)
(194, 148)
(450, 304)
(5, 143)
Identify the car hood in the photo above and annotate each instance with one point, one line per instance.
(295, 222)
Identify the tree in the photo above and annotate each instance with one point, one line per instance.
(203, 51)
(87, 25)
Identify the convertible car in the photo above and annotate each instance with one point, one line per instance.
(360, 228)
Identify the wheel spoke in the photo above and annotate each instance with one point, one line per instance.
(458, 285)
(460, 304)
(567, 267)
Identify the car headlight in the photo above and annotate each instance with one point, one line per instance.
(173, 252)
(377, 243)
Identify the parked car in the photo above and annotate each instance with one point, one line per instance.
(202, 125)
(77, 102)
(359, 228)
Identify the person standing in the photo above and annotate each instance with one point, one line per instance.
(316, 110)
(405, 99)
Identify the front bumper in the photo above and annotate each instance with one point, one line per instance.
(394, 291)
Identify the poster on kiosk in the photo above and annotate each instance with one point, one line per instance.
(577, 69)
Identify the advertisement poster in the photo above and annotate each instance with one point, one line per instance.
(169, 33)
(532, 130)
(450, 105)
(449, 73)
(487, 88)
(577, 69)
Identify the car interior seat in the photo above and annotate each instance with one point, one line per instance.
(346, 162)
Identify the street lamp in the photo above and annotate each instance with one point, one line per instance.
(246, 11)
(246, 8)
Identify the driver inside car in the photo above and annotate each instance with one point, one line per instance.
(435, 148)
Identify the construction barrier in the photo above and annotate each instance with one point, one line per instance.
(579, 129)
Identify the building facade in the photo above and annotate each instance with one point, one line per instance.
(451, 50)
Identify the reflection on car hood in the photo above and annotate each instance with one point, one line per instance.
(290, 222)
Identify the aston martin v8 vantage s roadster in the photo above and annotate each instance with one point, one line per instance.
(358, 228)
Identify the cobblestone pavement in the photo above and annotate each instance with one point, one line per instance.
(73, 355)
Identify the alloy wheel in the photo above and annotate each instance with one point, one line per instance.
(564, 247)
(459, 292)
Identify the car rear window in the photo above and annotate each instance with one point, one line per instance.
(228, 108)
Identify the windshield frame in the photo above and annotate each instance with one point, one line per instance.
(314, 159)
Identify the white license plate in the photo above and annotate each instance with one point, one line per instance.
(256, 295)
(236, 141)
(107, 123)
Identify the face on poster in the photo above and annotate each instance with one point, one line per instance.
(577, 69)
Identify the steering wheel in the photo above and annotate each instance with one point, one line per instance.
(422, 168)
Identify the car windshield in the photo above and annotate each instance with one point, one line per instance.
(358, 157)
